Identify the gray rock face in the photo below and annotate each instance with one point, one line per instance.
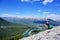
(51, 34)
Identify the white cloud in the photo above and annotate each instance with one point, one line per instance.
(47, 1)
(54, 17)
(51, 16)
(45, 15)
(46, 12)
(19, 16)
(38, 11)
(25, 0)
(10, 15)
(7, 15)
(29, 0)
(44, 2)
(35, 0)
(17, 13)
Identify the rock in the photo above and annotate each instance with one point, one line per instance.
(51, 34)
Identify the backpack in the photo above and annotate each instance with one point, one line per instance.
(50, 26)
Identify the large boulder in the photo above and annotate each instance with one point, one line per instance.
(50, 34)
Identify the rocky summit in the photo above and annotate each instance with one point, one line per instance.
(50, 34)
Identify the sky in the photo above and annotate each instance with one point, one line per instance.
(38, 8)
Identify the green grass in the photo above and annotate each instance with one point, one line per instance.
(13, 32)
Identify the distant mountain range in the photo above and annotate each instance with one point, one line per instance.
(30, 20)
(4, 22)
(55, 23)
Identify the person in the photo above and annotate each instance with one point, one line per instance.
(49, 26)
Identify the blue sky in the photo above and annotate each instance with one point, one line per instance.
(39, 8)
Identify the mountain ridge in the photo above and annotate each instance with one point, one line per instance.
(25, 20)
(50, 34)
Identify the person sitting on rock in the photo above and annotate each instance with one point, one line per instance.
(49, 26)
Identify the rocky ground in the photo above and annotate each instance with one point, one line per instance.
(50, 34)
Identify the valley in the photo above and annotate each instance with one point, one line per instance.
(10, 30)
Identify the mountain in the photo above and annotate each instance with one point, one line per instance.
(18, 20)
(54, 23)
(12, 26)
(4, 22)
(10, 30)
(51, 34)
(25, 20)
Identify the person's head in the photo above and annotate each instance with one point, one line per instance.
(47, 21)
